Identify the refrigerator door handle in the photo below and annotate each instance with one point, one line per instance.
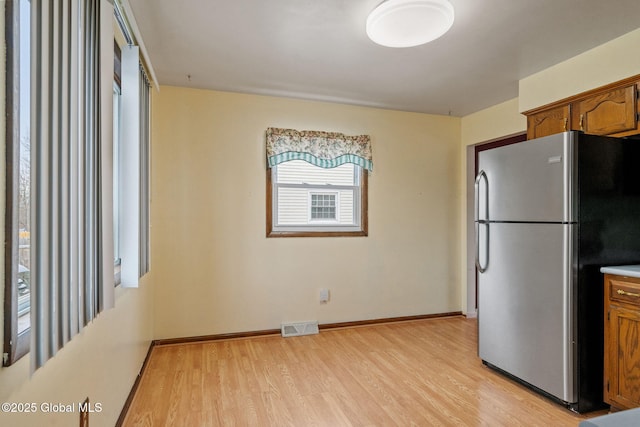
(479, 266)
(482, 176)
(482, 222)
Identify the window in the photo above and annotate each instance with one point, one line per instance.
(309, 195)
(17, 321)
(312, 198)
(131, 189)
(133, 170)
(324, 207)
(60, 172)
(117, 140)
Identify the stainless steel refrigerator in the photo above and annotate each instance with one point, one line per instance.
(549, 213)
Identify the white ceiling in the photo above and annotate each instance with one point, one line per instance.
(318, 49)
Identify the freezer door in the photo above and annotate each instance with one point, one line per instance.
(526, 303)
(528, 181)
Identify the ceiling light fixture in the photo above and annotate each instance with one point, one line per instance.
(407, 23)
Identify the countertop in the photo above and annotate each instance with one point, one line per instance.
(623, 270)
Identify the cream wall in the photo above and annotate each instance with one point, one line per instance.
(216, 272)
(101, 363)
(607, 63)
(492, 123)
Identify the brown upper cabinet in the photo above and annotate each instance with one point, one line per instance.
(608, 110)
(548, 122)
(607, 113)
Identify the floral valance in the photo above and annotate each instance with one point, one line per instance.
(323, 149)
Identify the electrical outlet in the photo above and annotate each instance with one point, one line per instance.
(324, 296)
(84, 413)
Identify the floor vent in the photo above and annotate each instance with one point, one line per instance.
(299, 328)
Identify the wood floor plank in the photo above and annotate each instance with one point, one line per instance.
(420, 373)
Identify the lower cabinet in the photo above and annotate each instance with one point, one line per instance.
(622, 341)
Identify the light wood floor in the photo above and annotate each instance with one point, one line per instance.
(418, 373)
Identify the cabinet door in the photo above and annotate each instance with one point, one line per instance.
(549, 122)
(607, 113)
(622, 358)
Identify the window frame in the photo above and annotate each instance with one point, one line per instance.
(134, 154)
(16, 344)
(317, 230)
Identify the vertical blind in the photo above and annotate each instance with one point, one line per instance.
(72, 258)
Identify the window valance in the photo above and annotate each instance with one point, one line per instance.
(323, 149)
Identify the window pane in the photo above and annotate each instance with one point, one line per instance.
(24, 174)
(294, 207)
(307, 201)
(310, 196)
(18, 183)
(117, 140)
(116, 172)
(301, 172)
(323, 206)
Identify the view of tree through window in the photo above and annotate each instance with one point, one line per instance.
(24, 235)
(17, 292)
(24, 174)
